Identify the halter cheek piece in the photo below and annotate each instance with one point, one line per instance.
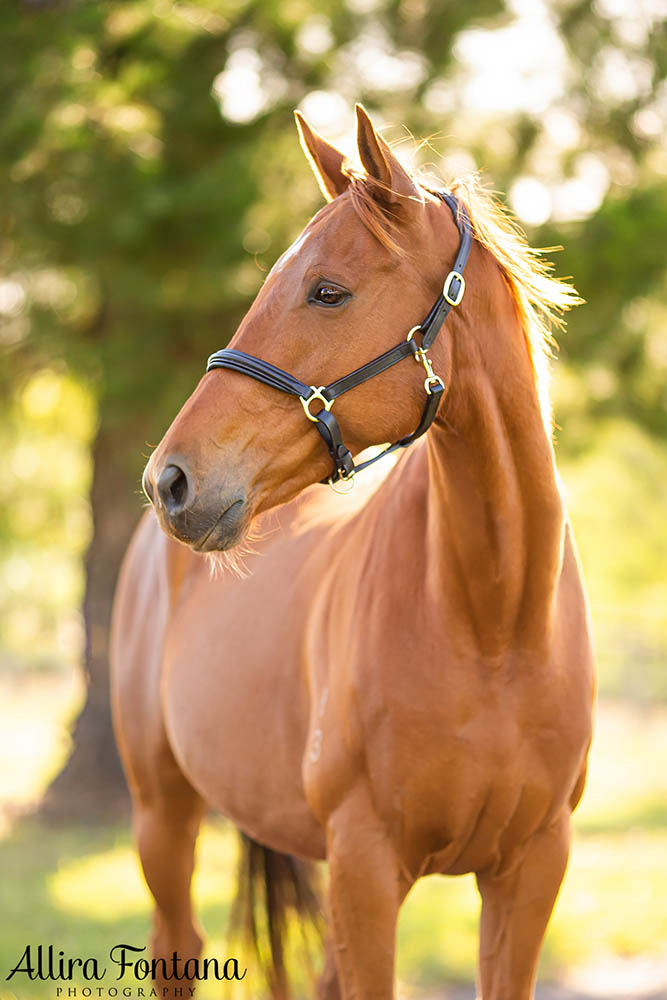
(324, 396)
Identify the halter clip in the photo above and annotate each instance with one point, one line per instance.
(431, 378)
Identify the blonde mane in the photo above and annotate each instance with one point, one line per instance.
(539, 298)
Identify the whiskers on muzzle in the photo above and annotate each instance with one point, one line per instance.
(233, 560)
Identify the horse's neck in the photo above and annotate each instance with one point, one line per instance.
(495, 516)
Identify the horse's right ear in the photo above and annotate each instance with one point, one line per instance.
(325, 159)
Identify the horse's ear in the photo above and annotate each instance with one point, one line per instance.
(325, 159)
(393, 182)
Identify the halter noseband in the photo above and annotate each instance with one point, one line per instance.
(324, 420)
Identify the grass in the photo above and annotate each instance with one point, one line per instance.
(81, 889)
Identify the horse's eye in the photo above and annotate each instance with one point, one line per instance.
(329, 295)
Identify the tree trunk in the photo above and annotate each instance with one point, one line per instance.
(91, 784)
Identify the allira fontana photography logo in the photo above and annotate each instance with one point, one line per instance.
(126, 963)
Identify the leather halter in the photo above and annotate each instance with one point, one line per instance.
(324, 420)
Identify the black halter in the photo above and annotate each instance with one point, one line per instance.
(324, 420)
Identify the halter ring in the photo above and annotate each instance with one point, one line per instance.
(349, 484)
(316, 393)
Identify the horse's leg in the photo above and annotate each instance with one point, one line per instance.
(166, 809)
(166, 825)
(328, 987)
(366, 889)
(515, 912)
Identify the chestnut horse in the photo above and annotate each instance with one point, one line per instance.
(399, 682)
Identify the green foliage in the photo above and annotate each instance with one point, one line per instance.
(617, 494)
(138, 218)
(125, 182)
(137, 224)
(44, 517)
(617, 342)
(140, 213)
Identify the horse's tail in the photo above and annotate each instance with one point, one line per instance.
(271, 887)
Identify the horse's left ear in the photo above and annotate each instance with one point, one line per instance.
(393, 183)
(325, 159)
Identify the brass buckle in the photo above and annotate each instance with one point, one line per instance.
(315, 393)
(348, 480)
(453, 276)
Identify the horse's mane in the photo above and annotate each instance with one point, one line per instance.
(540, 299)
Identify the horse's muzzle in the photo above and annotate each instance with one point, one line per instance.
(226, 531)
(206, 524)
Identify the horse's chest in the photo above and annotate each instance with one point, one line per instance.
(463, 767)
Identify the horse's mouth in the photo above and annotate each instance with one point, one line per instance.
(225, 532)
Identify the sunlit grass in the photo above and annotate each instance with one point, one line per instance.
(437, 938)
(613, 899)
(611, 903)
(104, 887)
(81, 888)
(119, 888)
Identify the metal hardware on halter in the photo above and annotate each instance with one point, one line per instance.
(335, 484)
(316, 393)
(446, 288)
(344, 467)
(431, 377)
(421, 356)
(431, 381)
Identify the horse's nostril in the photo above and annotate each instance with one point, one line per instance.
(172, 487)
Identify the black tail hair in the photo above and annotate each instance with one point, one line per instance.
(270, 887)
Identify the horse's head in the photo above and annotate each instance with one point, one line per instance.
(362, 273)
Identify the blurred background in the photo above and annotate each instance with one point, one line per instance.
(150, 175)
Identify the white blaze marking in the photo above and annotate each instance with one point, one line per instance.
(289, 253)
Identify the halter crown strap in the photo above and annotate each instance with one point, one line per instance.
(454, 286)
(262, 371)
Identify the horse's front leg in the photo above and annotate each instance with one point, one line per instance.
(166, 833)
(515, 911)
(328, 986)
(366, 889)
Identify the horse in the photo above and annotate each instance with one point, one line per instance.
(400, 682)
